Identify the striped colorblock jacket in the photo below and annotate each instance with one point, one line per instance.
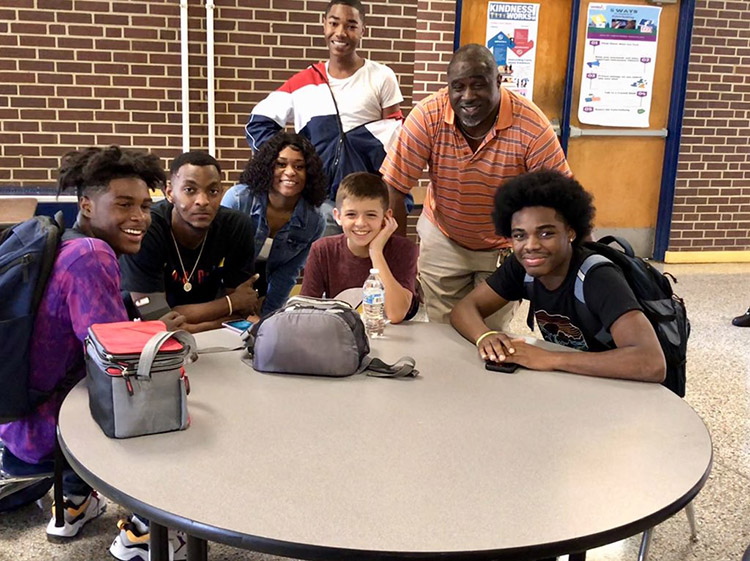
(307, 101)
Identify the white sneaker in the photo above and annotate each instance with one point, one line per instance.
(78, 511)
(132, 542)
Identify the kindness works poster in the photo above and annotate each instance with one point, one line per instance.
(512, 37)
(618, 65)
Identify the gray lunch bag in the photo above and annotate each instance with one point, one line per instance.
(136, 377)
(317, 337)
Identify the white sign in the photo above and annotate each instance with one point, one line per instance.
(511, 36)
(618, 65)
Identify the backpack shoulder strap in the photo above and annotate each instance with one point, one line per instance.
(591, 262)
(590, 322)
(320, 70)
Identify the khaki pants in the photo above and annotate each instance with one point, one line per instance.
(448, 272)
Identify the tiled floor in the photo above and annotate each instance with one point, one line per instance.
(718, 389)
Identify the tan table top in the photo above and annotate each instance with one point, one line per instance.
(459, 460)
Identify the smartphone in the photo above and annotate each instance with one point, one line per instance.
(238, 325)
(152, 306)
(507, 367)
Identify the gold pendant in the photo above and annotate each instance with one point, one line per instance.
(187, 287)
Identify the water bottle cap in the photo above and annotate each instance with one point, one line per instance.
(374, 271)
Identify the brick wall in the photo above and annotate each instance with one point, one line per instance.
(434, 45)
(96, 72)
(712, 197)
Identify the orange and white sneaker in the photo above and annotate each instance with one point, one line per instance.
(132, 542)
(78, 511)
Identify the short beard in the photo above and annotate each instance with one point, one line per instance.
(470, 123)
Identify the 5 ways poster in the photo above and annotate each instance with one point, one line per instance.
(618, 65)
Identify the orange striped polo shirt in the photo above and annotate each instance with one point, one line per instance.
(460, 198)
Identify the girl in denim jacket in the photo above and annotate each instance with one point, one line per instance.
(281, 189)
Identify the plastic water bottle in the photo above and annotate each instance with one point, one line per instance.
(373, 300)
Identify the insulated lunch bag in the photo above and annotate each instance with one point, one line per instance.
(136, 377)
(317, 337)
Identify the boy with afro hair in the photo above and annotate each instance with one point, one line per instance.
(547, 215)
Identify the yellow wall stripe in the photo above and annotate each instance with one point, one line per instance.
(707, 257)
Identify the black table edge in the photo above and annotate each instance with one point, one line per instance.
(314, 552)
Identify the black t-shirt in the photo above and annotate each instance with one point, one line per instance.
(606, 292)
(227, 259)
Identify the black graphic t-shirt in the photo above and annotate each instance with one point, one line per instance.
(606, 292)
(227, 259)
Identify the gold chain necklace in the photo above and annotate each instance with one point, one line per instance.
(186, 286)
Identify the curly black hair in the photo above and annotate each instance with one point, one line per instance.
(90, 170)
(258, 172)
(549, 189)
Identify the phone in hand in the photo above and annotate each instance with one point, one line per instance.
(507, 367)
(238, 325)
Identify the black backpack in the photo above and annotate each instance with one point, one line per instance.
(27, 254)
(653, 290)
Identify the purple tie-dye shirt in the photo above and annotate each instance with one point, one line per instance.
(83, 289)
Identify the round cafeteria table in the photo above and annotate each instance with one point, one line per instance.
(459, 463)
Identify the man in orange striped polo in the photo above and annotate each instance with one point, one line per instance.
(471, 135)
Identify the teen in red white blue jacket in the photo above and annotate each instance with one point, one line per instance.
(348, 106)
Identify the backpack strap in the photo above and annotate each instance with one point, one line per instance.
(622, 242)
(402, 368)
(590, 322)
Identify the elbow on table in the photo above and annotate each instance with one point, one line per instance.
(465, 315)
(656, 368)
(456, 313)
(396, 313)
(661, 374)
(398, 318)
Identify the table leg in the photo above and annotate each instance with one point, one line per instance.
(58, 489)
(645, 545)
(159, 542)
(197, 549)
(577, 556)
(690, 511)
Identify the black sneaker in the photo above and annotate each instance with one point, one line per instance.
(743, 320)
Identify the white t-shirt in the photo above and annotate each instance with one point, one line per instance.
(362, 96)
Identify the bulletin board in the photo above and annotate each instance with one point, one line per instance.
(623, 172)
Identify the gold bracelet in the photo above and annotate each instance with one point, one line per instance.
(229, 301)
(484, 336)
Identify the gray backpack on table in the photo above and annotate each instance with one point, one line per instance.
(317, 337)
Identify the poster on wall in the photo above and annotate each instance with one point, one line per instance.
(618, 65)
(511, 36)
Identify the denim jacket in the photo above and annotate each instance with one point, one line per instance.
(291, 245)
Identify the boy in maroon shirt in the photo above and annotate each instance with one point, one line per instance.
(337, 263)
